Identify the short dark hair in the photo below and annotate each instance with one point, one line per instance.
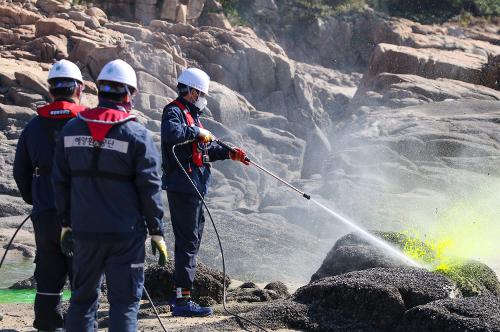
(182, 89)
(113, 91)
(62, 87)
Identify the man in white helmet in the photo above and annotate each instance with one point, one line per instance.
(181, 123)
(32, 172)
(108, 193)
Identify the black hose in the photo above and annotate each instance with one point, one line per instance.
(154, 308)
(12, 239)
(218, 239)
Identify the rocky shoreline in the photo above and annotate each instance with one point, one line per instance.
(391, 122)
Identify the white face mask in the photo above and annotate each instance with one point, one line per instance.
(201, 103)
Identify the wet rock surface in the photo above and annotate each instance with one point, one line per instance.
(378, 296)
(29, 283)
(250, 292)
(353, 252)
(207, 283)
(472, 278)
(478, 313)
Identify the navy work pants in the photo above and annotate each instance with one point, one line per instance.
(52, 269)
(122, 262)
(186, 213)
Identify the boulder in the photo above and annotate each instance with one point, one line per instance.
(15, 112)
(78, 16)
(25, 98)
(478, 313)
(169, 10)
(33, 80)
(207, 283)
(379, 296)
(399, 90)
(181, 14)
(217, 20)
(149, 84)
(353, 252)
(194, 9)
(227, 106)
(53, 6)
(29, 283)
(279, 287)
(430, 63)
(10, 14)
(97, 13)
(252, 293)
(135, 30)
(51, 47)
(54, 26)
(7, 36)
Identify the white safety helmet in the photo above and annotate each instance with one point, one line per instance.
(118, 71)
(195, 78)
(65, 69)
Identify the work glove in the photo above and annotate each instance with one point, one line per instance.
(67, 241)
(239, 155)
(158, 243)
(205, 136)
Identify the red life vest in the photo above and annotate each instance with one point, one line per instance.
(197, 153)
(60, 110)
(100, 120)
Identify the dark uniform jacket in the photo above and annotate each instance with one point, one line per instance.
(174, 130)
(35, 153)
(106, 176)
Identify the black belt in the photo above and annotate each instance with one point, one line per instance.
(42, 171)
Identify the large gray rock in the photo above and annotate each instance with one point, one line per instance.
(14, 112)
(400, 90)
(380, 296)
(11, 14)
(354, 252)
(479, 313)
(430, 63)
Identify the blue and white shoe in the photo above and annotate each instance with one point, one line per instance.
(191, 309)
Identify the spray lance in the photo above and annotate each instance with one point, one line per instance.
(232, 149)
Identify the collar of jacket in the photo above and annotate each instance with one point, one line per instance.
(104, 103)
(69, 100)
(195, 111)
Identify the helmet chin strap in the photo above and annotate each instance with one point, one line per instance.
(80, 93)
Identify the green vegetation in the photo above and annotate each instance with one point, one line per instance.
(294, 12)
(471, 277)
(430, 11)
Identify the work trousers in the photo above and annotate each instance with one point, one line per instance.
(188, 221)
(122, 262)
(52, 269)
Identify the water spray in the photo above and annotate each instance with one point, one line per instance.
(381, 243)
